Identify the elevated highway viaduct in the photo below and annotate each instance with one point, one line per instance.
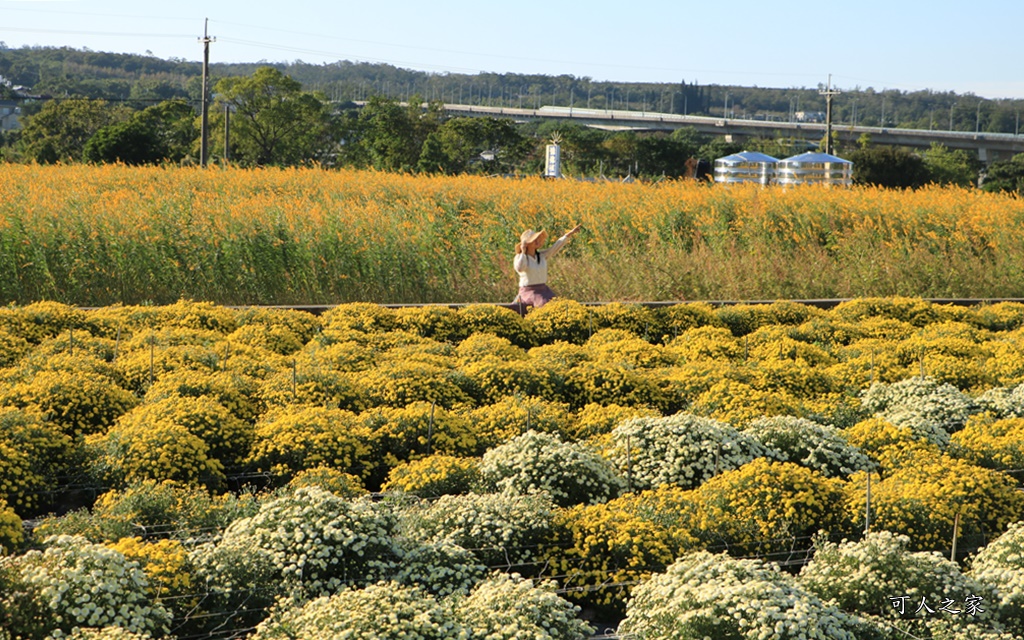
(989, 147)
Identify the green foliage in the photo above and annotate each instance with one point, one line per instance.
(61, 129)
(1005, 176)
(951, 166)
(275, 121)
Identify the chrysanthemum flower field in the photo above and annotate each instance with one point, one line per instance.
(690, 471)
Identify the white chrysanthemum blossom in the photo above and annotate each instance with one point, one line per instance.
(500, 529)
(919, 425)
(90, 585)
(703, 595)
(1000, 564)
(507, 607)
(383, 611)
(683, 450)
(316, 541)
(1003, 402)
(862, 577)
(810, 444)
(938, 403)
(572, 473)
(441, 568)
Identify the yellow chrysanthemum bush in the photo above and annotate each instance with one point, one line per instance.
(889, 445)
(74, 583)
(618, 347)
(923, 500)
(41, 320)
(602, 551)
(911, 310)
(134, 451)
(344, 485)
(593, 382)
(775, 342)
(435, 475)
(703, 595)
(597, 420)
(432, 321)
(1002, 316)
(12, 348)
(360, 316)
(738, 402)
(863, 576)
(510, 416)
(415, 431)
(169, 568)
(637, 319)
(227, 437)
(236, 392)
(559, 355)
(200, 315)
(80, 403)
(1006, 366)
(493, 378)
(706, 343)
(439, 354)
(864, 362)
(399, 383)
(682, 450)
(144, 366)
(488, 318)
(563, 319)
(809, 444)
(313, 385)
(341, 355)
(826, 331)
(682, 384)
(503, 530)
(766, 506)
(992, 443)
(305, 437)
(276, 338)
(678, 318)
(487, 345)
(12, 532)
(571, 473)
(302, 324)
(1000, 566)
(34, 454)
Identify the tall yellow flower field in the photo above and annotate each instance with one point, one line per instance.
(94, 235)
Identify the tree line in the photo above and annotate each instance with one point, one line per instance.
(269, 119)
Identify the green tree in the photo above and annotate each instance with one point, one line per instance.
(390, 136)
(59, 131)
(1005, 175)
(274, 122)
(486, 145)
(947, 166)
(165, 131)
(893, 167)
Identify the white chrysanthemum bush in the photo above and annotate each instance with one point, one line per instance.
(863, 577)
(1000, 565)
(809, 444)
(72, 582)
(684, 450)
(703, 595)
(572, 473)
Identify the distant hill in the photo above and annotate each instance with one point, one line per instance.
(142, 80)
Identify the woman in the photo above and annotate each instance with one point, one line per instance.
(531, 263)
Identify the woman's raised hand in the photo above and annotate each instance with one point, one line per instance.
(572, 231)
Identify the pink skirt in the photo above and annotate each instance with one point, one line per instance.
(534, 295)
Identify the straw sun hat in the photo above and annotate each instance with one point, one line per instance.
(530, 235)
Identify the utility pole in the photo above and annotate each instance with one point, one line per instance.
(828, 93)
(227, 133)
(204, 143)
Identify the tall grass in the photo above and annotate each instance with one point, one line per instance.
(98, 235)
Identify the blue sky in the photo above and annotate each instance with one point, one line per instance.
(942, 45)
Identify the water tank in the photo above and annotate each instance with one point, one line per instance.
(746, 166)
(814, 168)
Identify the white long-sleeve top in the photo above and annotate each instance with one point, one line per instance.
(534, 269)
